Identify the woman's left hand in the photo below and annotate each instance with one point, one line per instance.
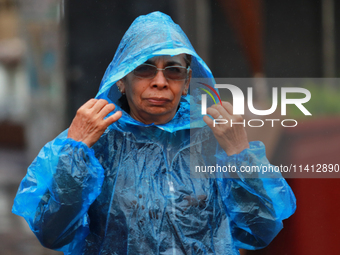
(232, 138)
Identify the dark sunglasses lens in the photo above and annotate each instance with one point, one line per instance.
(175, 73)
(145, 71)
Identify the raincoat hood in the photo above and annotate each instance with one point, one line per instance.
(153, 35)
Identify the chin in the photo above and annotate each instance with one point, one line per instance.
(158, 111)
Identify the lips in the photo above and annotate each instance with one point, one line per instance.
(158, 100)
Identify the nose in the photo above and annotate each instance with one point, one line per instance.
(159, 81)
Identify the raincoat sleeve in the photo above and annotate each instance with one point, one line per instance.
(256, 203)
(54, 196)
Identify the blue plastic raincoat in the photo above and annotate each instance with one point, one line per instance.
(132, 192)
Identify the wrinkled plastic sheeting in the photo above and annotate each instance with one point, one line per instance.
(151, 207)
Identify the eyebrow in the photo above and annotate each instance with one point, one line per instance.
(169, 63)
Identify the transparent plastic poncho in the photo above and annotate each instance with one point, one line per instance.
(132, 192)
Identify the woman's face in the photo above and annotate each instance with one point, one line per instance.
(155, 100)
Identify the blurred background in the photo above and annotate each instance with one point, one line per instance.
(53, 54)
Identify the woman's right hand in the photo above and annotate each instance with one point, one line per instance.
(89, 124)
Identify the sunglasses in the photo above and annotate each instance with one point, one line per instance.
(174, 73)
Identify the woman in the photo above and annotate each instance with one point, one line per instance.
(119, 180)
